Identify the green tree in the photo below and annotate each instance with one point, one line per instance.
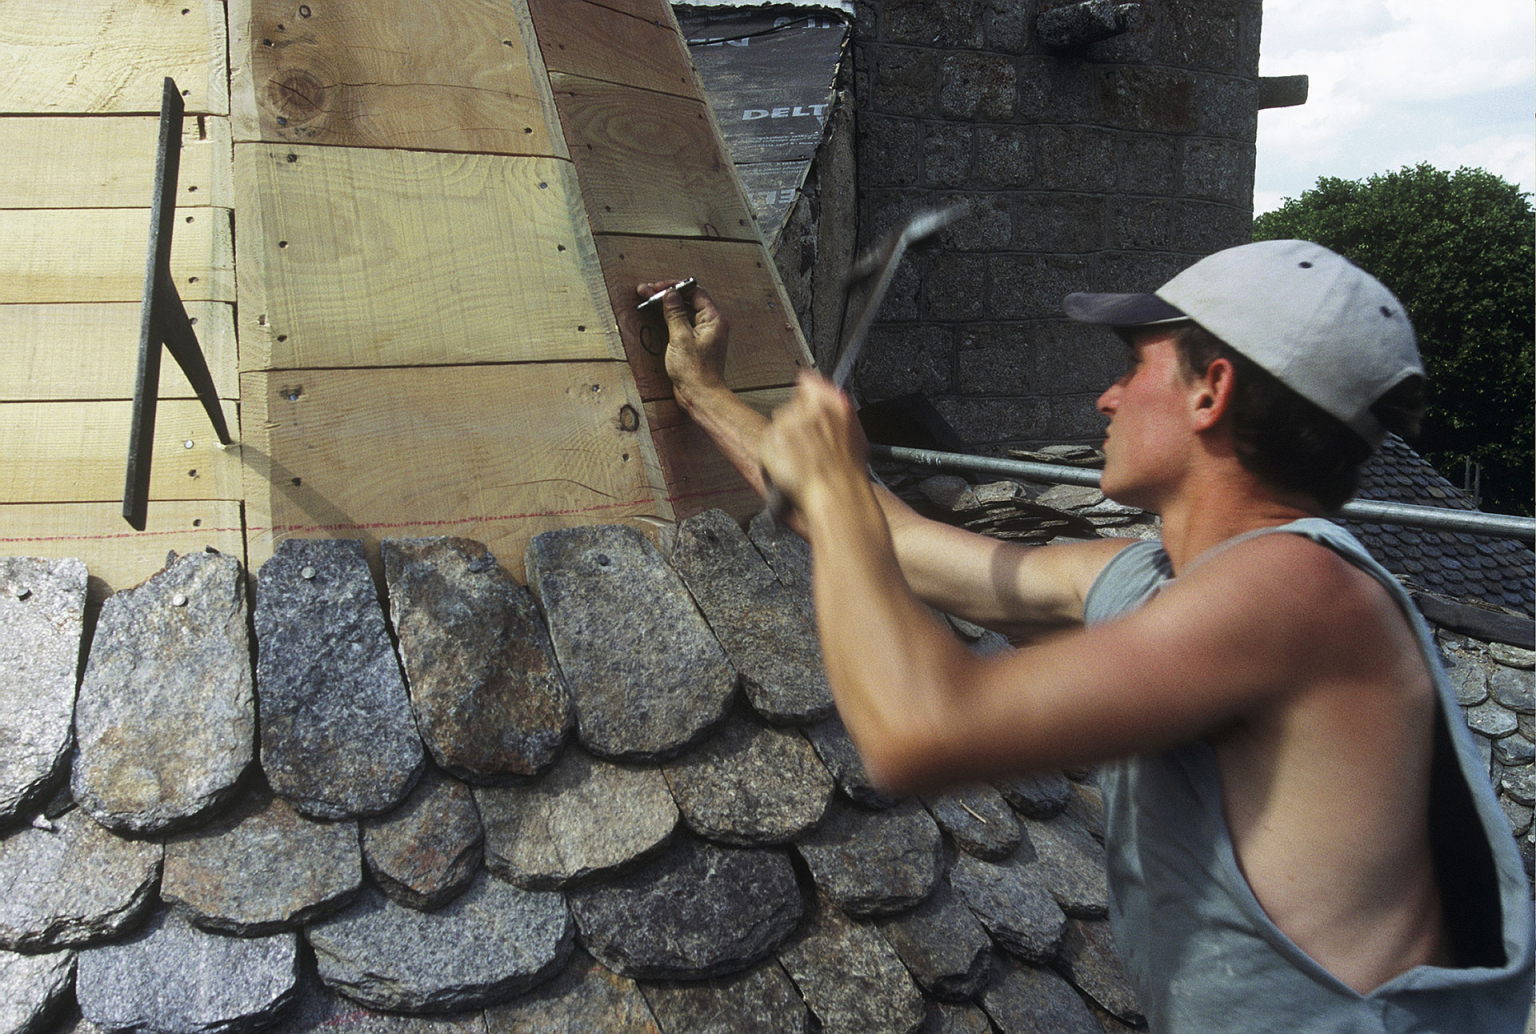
(1456, 249)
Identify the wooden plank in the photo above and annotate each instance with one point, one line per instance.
(101, 56)
(766, 349)
(650, 10)
(649, 163)
(698, 477)
(116, 556)
(97, 255)
(77, 452)
(598, 42)
(42, 167)
(352, 257)
(91, 351)
(451, 75)
(493, 453)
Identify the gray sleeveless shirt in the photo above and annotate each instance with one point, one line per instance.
(1198, 945)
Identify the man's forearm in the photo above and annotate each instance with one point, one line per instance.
(735, 427)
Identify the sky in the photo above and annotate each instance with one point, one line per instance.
(1395, 83)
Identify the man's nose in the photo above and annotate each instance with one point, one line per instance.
(1110, 400)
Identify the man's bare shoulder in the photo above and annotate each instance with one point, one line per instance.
(1287, 599)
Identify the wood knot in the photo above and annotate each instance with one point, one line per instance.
(296, 95)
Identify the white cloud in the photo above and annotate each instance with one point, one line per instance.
(1394, 83)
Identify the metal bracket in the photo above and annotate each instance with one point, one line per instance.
(163, 320)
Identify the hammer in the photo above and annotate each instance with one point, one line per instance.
(878, 263)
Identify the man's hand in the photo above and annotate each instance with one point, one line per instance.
(696, 340)
(815, 442)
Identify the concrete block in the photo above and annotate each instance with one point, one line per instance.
(973, 85)
(888, 151)
(1032, 286)
(903, 80)
(901, 358)
(1076, 158)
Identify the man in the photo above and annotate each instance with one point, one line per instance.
(1299, 835)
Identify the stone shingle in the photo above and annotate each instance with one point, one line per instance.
(166, 715)
(606, 584)
(42, 609)
(338, 738)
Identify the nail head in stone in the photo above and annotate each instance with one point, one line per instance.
(338, 738)
(647, 675)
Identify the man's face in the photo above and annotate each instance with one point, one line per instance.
(1149, 436)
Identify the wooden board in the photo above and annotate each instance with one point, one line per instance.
(42, 166)
(116, 556)
(598, 42)
(650, 10)
(358, 257)
(100, 56)
(77, 452)
(698, 477)
(91, 351)
(493, 453)
(446, 75)
(97, 255)
(766, 349)
(650, 163)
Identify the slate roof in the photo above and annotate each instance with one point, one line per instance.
(620, 802)
(1453, 564)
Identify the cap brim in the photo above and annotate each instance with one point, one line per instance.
(1120, 310)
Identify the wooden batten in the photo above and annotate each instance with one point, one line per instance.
(112, 57)
(120, 170)
(76, 451)
(79, 351)
(456, 75)
(97, 255)
(358, 257)
(650, 163)
(597, 41)
(408, 235)
(374, 454)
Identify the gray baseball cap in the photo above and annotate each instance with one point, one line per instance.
(1322, 326)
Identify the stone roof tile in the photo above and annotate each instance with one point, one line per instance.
(725, 929)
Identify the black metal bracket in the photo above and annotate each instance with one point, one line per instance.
(163, 320)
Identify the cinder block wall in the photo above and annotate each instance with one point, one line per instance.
(1106, 169)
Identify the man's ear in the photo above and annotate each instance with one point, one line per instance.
(1213, 393)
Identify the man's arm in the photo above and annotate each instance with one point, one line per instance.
(1234, 639)
(1015, 589)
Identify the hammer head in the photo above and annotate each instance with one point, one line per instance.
(918, 226)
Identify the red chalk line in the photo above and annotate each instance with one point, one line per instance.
(379, 525)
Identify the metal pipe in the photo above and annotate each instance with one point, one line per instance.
(1472, 522)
